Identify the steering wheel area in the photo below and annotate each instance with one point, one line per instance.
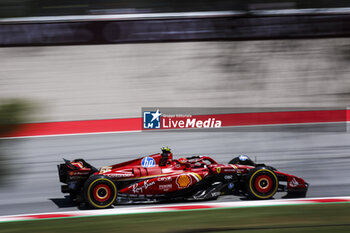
(195, 161)
(200, 161)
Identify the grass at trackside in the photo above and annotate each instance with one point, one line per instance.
(300, 218)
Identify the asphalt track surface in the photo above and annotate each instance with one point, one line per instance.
(32, 186)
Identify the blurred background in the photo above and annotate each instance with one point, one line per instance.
(83, 60)
(95, 60)
(23, 8)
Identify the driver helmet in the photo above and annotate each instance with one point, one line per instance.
(166, 155)
(165, 149)
(243, 160)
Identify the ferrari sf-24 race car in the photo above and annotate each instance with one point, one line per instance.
(159, 177)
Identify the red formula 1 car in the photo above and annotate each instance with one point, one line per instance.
(159, 177)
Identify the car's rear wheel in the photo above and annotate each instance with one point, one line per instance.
(262, 183)
(100, 191)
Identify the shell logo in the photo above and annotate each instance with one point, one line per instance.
(183, 181)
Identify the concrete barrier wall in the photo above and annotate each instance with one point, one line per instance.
(115, 81)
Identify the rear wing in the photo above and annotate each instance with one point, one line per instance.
(74, 170)
(70, 165)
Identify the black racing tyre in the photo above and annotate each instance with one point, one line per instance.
(100, 191)
(261, 183)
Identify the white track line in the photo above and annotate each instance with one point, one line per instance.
(174, 207)
(121, 17)
(175, 15)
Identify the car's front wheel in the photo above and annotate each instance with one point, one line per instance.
(100, 191)
(262, 183)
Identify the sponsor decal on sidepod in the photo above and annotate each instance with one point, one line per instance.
(183, 181)
(136, 188)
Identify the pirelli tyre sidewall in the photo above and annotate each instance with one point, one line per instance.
(100, 191)
(262, 183)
